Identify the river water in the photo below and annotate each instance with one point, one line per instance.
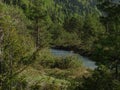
(86, 61)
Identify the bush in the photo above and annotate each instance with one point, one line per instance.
(67, 62)
(46, 59)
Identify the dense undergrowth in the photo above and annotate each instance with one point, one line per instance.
(29, 28)
(53, 73)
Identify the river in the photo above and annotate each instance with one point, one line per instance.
(86, 61)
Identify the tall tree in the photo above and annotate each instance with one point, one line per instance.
(17, 46)
(110, 42)
(37, 14)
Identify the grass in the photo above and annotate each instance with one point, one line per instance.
(35, 77)
(52, 72)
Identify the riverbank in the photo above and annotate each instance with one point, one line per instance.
(86, 62)
(76, 50)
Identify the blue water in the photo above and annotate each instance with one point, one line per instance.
(86, 62)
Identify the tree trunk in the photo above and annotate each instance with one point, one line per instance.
(37, 33)
(116, 69)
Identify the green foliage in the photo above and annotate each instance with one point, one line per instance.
(72, 24)
(67, 63)
(45, 59)
(16, 46)
(71, 7)
(92, 30)
(67, 39)
(109, 43)
(38, 81)
(101, 79)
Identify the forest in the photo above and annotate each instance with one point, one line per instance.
(30, 29)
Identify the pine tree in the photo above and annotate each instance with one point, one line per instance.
(111, 40)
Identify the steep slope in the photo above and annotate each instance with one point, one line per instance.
(61, 9)
(76, 6)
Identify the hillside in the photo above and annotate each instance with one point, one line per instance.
(61, 9)
(59, 45)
